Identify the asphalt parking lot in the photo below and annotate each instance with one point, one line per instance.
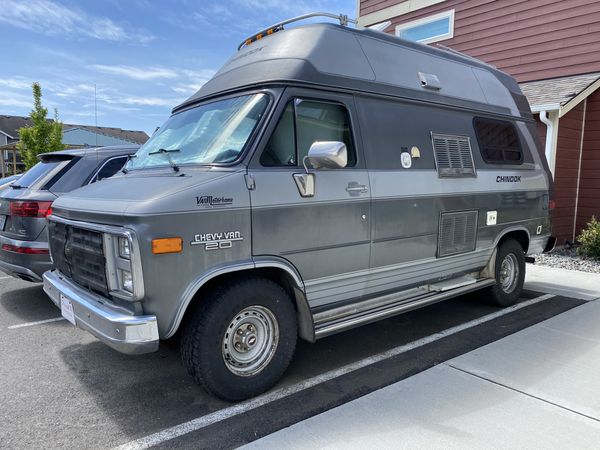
(62, 388)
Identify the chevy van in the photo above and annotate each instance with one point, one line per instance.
(324, 178)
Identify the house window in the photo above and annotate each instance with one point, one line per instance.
(430, 29)
(498, 141)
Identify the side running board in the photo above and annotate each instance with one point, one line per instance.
(349, 316)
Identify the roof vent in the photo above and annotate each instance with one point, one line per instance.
(430, 81)
(453, 156)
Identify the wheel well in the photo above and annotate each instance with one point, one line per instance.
(277, 275)
(520, 236)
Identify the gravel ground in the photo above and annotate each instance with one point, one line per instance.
(567, 258)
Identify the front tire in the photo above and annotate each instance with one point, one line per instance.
(510, 274)
(240, 341)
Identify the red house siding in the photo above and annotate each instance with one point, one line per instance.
(589, 184)
(529, 39)
(565, 175)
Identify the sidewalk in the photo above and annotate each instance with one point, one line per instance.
(538, 388)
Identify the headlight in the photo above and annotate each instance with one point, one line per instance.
(127, 281)
(124, 250)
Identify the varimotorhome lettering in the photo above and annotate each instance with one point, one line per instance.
(324, 178)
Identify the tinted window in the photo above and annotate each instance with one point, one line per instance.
(109, 168)
(42, 170)
(315, 121)
(498, 141)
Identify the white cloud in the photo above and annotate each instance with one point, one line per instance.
(10, 99)
(137, 73)
(15, 83)
(51, 18)
(150, 101)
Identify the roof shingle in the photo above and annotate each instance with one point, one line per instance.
(11, 124)
(557, 91)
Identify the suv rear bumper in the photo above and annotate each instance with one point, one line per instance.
(124, 332)
(23, 265)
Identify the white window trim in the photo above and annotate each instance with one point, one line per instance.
(443, 15)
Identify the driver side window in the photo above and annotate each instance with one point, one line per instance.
(302, 123)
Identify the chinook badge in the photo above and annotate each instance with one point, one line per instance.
(508, 179)
(217, 241)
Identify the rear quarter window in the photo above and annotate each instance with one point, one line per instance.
(42, 170)
(498, 141)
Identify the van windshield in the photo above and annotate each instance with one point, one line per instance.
(211, 133)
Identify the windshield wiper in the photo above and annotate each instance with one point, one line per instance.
(162, 151)
(129, 158)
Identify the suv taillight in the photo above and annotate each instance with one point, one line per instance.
(30, 209)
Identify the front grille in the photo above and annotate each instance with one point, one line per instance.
(79, 254)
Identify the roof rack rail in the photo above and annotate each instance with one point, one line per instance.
(464, 55)
(343, 18)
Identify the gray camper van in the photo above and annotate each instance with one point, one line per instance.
(324, 178)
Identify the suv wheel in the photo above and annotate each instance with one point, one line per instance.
(240, 341)
(510, 273)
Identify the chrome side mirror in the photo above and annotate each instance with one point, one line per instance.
(327, 155)
(321, 155)
(305, 182)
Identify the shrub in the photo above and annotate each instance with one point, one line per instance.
(590, 239)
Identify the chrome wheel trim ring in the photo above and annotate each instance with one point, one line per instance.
(509, 273)
(250, 341)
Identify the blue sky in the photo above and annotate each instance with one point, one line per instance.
(143, 56)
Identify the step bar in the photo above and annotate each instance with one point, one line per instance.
(345, 317)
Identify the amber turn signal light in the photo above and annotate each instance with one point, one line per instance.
(167, 245)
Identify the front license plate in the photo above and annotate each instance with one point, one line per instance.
(66, 309)
(2, 222)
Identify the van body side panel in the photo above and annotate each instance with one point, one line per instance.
(325, 237)
(408, 201)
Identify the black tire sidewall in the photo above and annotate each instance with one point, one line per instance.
(209, 328)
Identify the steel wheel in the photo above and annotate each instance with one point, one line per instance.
(250, 340)
(509, 273)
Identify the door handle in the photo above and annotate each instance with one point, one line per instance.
(355, 188)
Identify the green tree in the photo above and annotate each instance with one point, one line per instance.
(43, 135)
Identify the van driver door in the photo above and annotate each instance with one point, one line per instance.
(325, 236)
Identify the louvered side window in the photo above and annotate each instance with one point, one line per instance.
(453, 156)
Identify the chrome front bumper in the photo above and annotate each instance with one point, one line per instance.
(115, 327)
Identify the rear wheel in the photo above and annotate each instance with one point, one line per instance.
(510, 274)
(241, 340)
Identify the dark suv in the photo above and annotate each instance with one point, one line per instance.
(25, 204)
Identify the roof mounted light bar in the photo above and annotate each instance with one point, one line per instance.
(343, 19)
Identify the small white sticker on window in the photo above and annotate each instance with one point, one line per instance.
(406, 160)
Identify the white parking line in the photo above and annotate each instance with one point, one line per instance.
(235, 410)
(39, 322)
(4, 278)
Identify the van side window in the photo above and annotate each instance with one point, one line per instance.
(281, 148)
(302, 123)
(317, 121)
(498, 141)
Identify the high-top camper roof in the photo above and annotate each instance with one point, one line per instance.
(364, 60)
